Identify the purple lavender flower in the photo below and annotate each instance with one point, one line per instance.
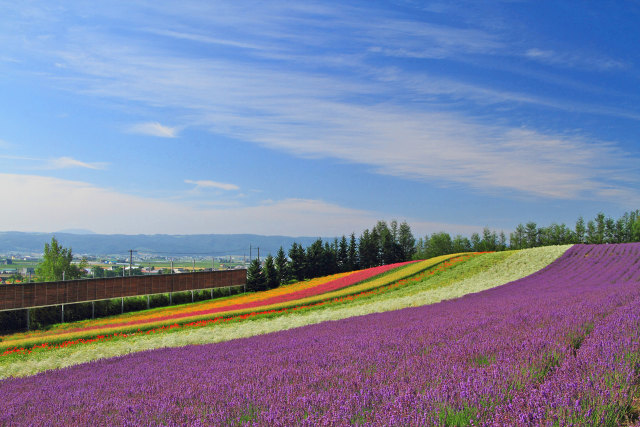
(560, 346)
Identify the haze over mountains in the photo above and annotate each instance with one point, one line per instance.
(160, 244)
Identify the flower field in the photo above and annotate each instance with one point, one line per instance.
(560, 346)
(301, 293)
(440, 280)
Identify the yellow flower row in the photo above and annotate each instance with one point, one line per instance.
(168, 311)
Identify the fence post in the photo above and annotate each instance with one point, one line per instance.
(122, 306)
(147, 302)
(191, 295)
(62, 312)
(93, 309)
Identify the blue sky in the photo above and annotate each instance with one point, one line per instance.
(316, 118)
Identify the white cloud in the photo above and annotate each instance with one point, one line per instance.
(57, 163)
(68, 162)
(212, 184)
(154, 129)
(574, 59)
(315, 115)
(293, 114)
(73, 204)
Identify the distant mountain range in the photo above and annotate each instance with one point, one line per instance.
(156, 244)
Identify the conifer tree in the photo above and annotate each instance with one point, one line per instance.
(270, 273)
(281, 267)
(255, 277)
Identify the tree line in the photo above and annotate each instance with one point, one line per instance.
(383, 244)
(389, 243)
(601, 229)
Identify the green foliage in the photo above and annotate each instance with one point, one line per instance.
(635, 231)
(56, 264)
(343, 255)
(255, 277)
(282, 268)
(97, 272)
(297, 265)
(272, 279)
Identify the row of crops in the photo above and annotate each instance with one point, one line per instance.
(561, 345)
(396, 287)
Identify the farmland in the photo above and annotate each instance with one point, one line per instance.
(559, 341)
(435, 284)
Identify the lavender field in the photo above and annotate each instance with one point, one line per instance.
(561, 346)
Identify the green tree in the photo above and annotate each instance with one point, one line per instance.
(57, 264)
(353, 262)
(97, 271)
(600, 228)
(281, 267)
(489, 240)
(343, 254)
(298, 261)
(270, 273)
(591, 234)
(635, 231)
(330, 258)
(460, 244)
(315, 260)
(406, 242)
(368, 249)
(580, 230)
(517, 238)
(502, 242)
(475, 242)
(255, 277)
(388, 248)
(532, 235)
(436, 245)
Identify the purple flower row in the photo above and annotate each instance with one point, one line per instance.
(560, 346)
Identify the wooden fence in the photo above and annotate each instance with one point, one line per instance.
(31, 295)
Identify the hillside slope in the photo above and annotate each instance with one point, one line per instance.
(473, 275)
(559, 346)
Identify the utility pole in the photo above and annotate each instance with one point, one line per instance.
(194, 264)
(131, 251)
(249, 253)
(258, 253)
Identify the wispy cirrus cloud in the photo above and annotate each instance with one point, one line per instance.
(346, 114)
(574, 59)
(153, 129)
(56, 163)
(77, 204)
(311, 116)
(212, 184)
(69, 162)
